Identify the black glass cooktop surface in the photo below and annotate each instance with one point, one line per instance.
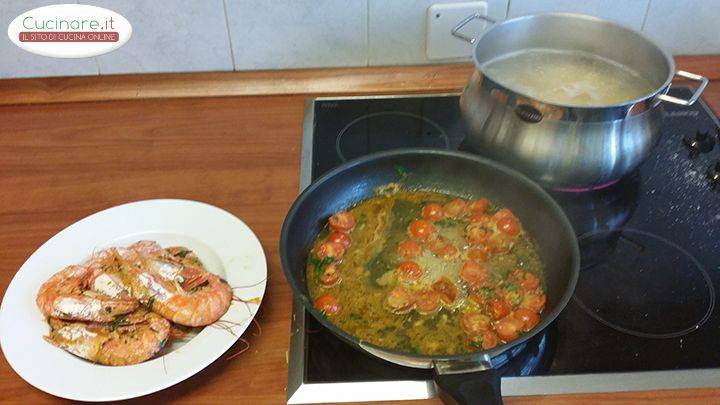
(650, 247)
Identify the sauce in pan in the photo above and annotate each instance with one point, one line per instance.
(427, 273)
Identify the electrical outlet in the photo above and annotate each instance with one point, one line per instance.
(441, 18)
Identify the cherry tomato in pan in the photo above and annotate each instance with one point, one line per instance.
(477, 254)
(498, 308)
(534, 301)
(400, 300)
(508, 328)
(525, 279)
(503, 213)
(442, 248)
(421, 229)
(479, 218)
(433, 212)
(509, 225)
(409, 249)
(474, 273)
(479, 299)
(477, 234)
(409, 271)
(500, 243)
(455, 208)
(511, 294)
(330, 249)
(474, 322)
(330, 276)
(485, 340)
(341, 238)
(528, 317)
(478, 206)
(427, 301)
(446, 289)
(342, 221)
(328, 304)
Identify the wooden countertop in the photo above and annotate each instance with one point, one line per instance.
(61, 161)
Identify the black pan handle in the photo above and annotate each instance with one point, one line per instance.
(479, 387)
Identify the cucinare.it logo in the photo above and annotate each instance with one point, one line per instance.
(69, 31)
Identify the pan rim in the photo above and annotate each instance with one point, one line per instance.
(429, 360)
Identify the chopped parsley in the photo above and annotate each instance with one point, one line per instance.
(117, 322)
(150, 303)
(182, 253)
(487, 293)
(319, 265)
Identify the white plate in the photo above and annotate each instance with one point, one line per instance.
(225, 245)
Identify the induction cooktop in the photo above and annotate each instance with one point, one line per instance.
(643, 314)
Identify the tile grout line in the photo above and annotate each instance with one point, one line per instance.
(507, 10)
(227, 28)
(367, 32)
(645, 17)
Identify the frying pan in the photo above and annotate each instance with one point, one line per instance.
(463, 378)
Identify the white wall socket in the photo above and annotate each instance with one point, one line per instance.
(440, 19)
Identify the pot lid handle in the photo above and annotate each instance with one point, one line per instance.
(456, 29)
(696, 94)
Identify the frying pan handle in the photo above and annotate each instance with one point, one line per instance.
(479, 387)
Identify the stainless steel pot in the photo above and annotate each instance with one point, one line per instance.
(567, 146)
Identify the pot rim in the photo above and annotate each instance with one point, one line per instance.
(668, 59)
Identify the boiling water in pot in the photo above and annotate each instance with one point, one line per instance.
(567, 77)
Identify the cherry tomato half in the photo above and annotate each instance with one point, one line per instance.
(474, 273)
(328, 304)
(433, 212)
(421, 229)
(528, 317)
(525, 279)
(484, 340)
(442, 248)
(400, 300)
(455, 208)
(446, 289)
(509, 225)
(474, 322)
(498, 308)
(477, 254)
(409, 249)
(330, 276)
(330, 249)
(409, 271)
(342, 221)
(478, 206)
(534, 301)
(477, 234)
(427, 301)
(508, 328)
(341, 238)
(503, 213)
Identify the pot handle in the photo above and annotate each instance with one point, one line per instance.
(455, 31)
(696, 94)
(460, 384)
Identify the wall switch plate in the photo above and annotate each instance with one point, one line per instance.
(441, 18)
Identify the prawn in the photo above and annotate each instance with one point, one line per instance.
(129, 340)
(66, 296)
(173, 283)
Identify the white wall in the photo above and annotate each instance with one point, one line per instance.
(224, 35)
